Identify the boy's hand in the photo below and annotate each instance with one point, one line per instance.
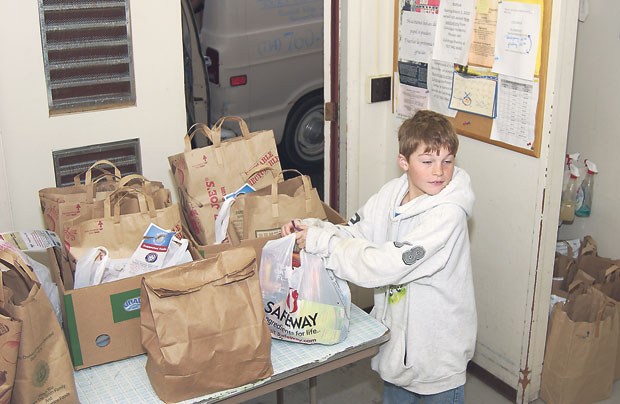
(300, 232)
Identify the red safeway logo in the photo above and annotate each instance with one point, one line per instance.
(291, 300)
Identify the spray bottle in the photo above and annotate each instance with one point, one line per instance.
(571, 158)
(569, 196)
(584, 194)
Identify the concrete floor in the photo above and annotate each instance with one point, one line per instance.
(357, 383)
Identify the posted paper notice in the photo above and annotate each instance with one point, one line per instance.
(516, 112)
(454, 28)
(410, 100)
(440, 87)
(417, 35)
(482, 49)
(516, 40)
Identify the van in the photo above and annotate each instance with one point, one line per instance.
(264, 61)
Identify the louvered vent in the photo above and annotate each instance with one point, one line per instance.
(68, 163)
(87, 54)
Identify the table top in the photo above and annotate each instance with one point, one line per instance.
(126, 381)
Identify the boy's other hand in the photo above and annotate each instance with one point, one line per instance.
(300, 232)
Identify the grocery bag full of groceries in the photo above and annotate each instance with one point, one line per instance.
(204, 176)
(202, 326)
(119, 232)
(304, 302)
(158, 249)
(43, 373)
(262, 213)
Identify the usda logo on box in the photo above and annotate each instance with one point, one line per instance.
(125, 305)
(132, 304)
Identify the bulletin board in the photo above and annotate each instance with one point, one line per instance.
(479, 127)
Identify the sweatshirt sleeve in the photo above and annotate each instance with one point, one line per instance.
(359, 226)
(424, 250)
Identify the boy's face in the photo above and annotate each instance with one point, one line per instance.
(427, 172)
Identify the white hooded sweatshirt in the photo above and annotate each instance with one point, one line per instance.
(417, 257)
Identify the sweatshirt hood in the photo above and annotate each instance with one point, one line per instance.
(458, 192)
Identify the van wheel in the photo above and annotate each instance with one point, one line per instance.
(303, 133)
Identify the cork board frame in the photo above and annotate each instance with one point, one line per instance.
(479, 127)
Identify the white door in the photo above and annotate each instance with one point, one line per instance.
(514, 226)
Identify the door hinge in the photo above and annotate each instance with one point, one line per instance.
(331, 111)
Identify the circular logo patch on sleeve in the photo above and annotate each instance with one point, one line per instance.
(413, 254)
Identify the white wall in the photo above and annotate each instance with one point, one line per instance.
(28, 135)
(593, 129)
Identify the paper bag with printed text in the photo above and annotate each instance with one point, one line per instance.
(205, 175)
(262, 213)
(44, 372)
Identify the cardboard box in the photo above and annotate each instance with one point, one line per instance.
(102, 322)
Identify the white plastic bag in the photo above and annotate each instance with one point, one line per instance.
(90, 267)
(305, 304)
(96, 266)
(222, 219)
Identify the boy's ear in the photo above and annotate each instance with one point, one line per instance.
(402, 162)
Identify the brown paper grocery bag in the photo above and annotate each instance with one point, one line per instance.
(209, 173)
(44, 373)
(610, 286)
(203, 326)
(10, 332)
(64, 203)
(596, 266)
(265, 211)
(119, 233)
(580, 353)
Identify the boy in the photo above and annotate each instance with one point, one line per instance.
(410, 242)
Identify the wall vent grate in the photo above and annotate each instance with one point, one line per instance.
(68, 163)
(87, 54)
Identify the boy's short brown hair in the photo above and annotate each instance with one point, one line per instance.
(429, 128)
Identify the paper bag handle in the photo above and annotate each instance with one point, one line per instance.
(229, 267)
(22, 268)
(145, 202)
(217, 128)
(88, 177)
(257, 169)
(575, 284)
(193, 130)
(599, 315)
(146, 184)
(589, 246)
(609, 271)
(274, 192)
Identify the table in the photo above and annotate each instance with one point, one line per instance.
(126, 381)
